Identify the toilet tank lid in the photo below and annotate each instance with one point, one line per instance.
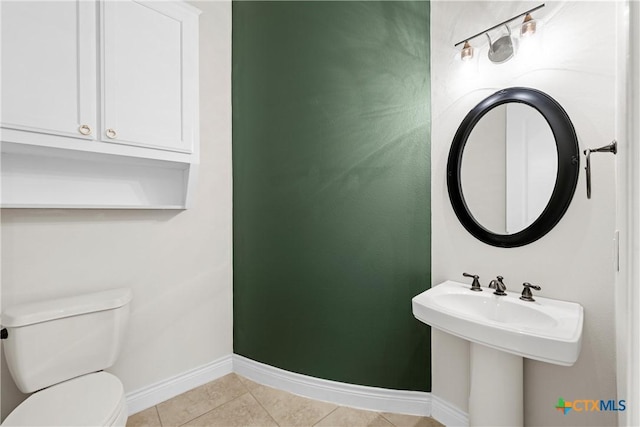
(37, 312)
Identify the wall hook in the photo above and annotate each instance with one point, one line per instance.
(611, 148)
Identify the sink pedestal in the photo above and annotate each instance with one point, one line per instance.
(496, 388)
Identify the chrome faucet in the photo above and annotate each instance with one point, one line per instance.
(499, 286)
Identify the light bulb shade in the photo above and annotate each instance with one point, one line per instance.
(528, 27)
(467, 52)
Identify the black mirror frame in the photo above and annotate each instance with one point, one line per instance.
(566, 178)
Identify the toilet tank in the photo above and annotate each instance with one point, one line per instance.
(52, 341)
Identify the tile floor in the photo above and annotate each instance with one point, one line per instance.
(236, 401)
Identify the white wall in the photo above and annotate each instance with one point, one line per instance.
(574, 63)
(178, 263)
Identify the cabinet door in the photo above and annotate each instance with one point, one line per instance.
(49, 67)
(150, 67)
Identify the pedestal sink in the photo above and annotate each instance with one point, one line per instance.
(502, 330)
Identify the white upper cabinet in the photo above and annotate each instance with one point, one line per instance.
(99, 103)
(118, 72)
(49, 67)
(148, 50)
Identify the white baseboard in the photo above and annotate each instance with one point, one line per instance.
(356, 396)
(153, 394)
(344, 394)
(447, 414)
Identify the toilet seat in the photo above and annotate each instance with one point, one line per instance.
(95, 399)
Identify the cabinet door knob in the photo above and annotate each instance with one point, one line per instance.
(85, 129)
(111, 133)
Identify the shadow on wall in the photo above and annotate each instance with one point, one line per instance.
(49, 216)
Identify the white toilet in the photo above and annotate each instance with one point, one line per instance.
(60, 347)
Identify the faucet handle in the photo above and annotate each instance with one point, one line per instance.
(475, 286)
(527, 295)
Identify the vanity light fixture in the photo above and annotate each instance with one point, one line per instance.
(527, 28)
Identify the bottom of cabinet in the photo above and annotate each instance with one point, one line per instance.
(43, 177)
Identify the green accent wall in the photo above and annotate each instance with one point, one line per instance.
(331, 176)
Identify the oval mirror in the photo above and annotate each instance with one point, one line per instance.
(513, 167)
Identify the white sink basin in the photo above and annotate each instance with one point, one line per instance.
(547, 330)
